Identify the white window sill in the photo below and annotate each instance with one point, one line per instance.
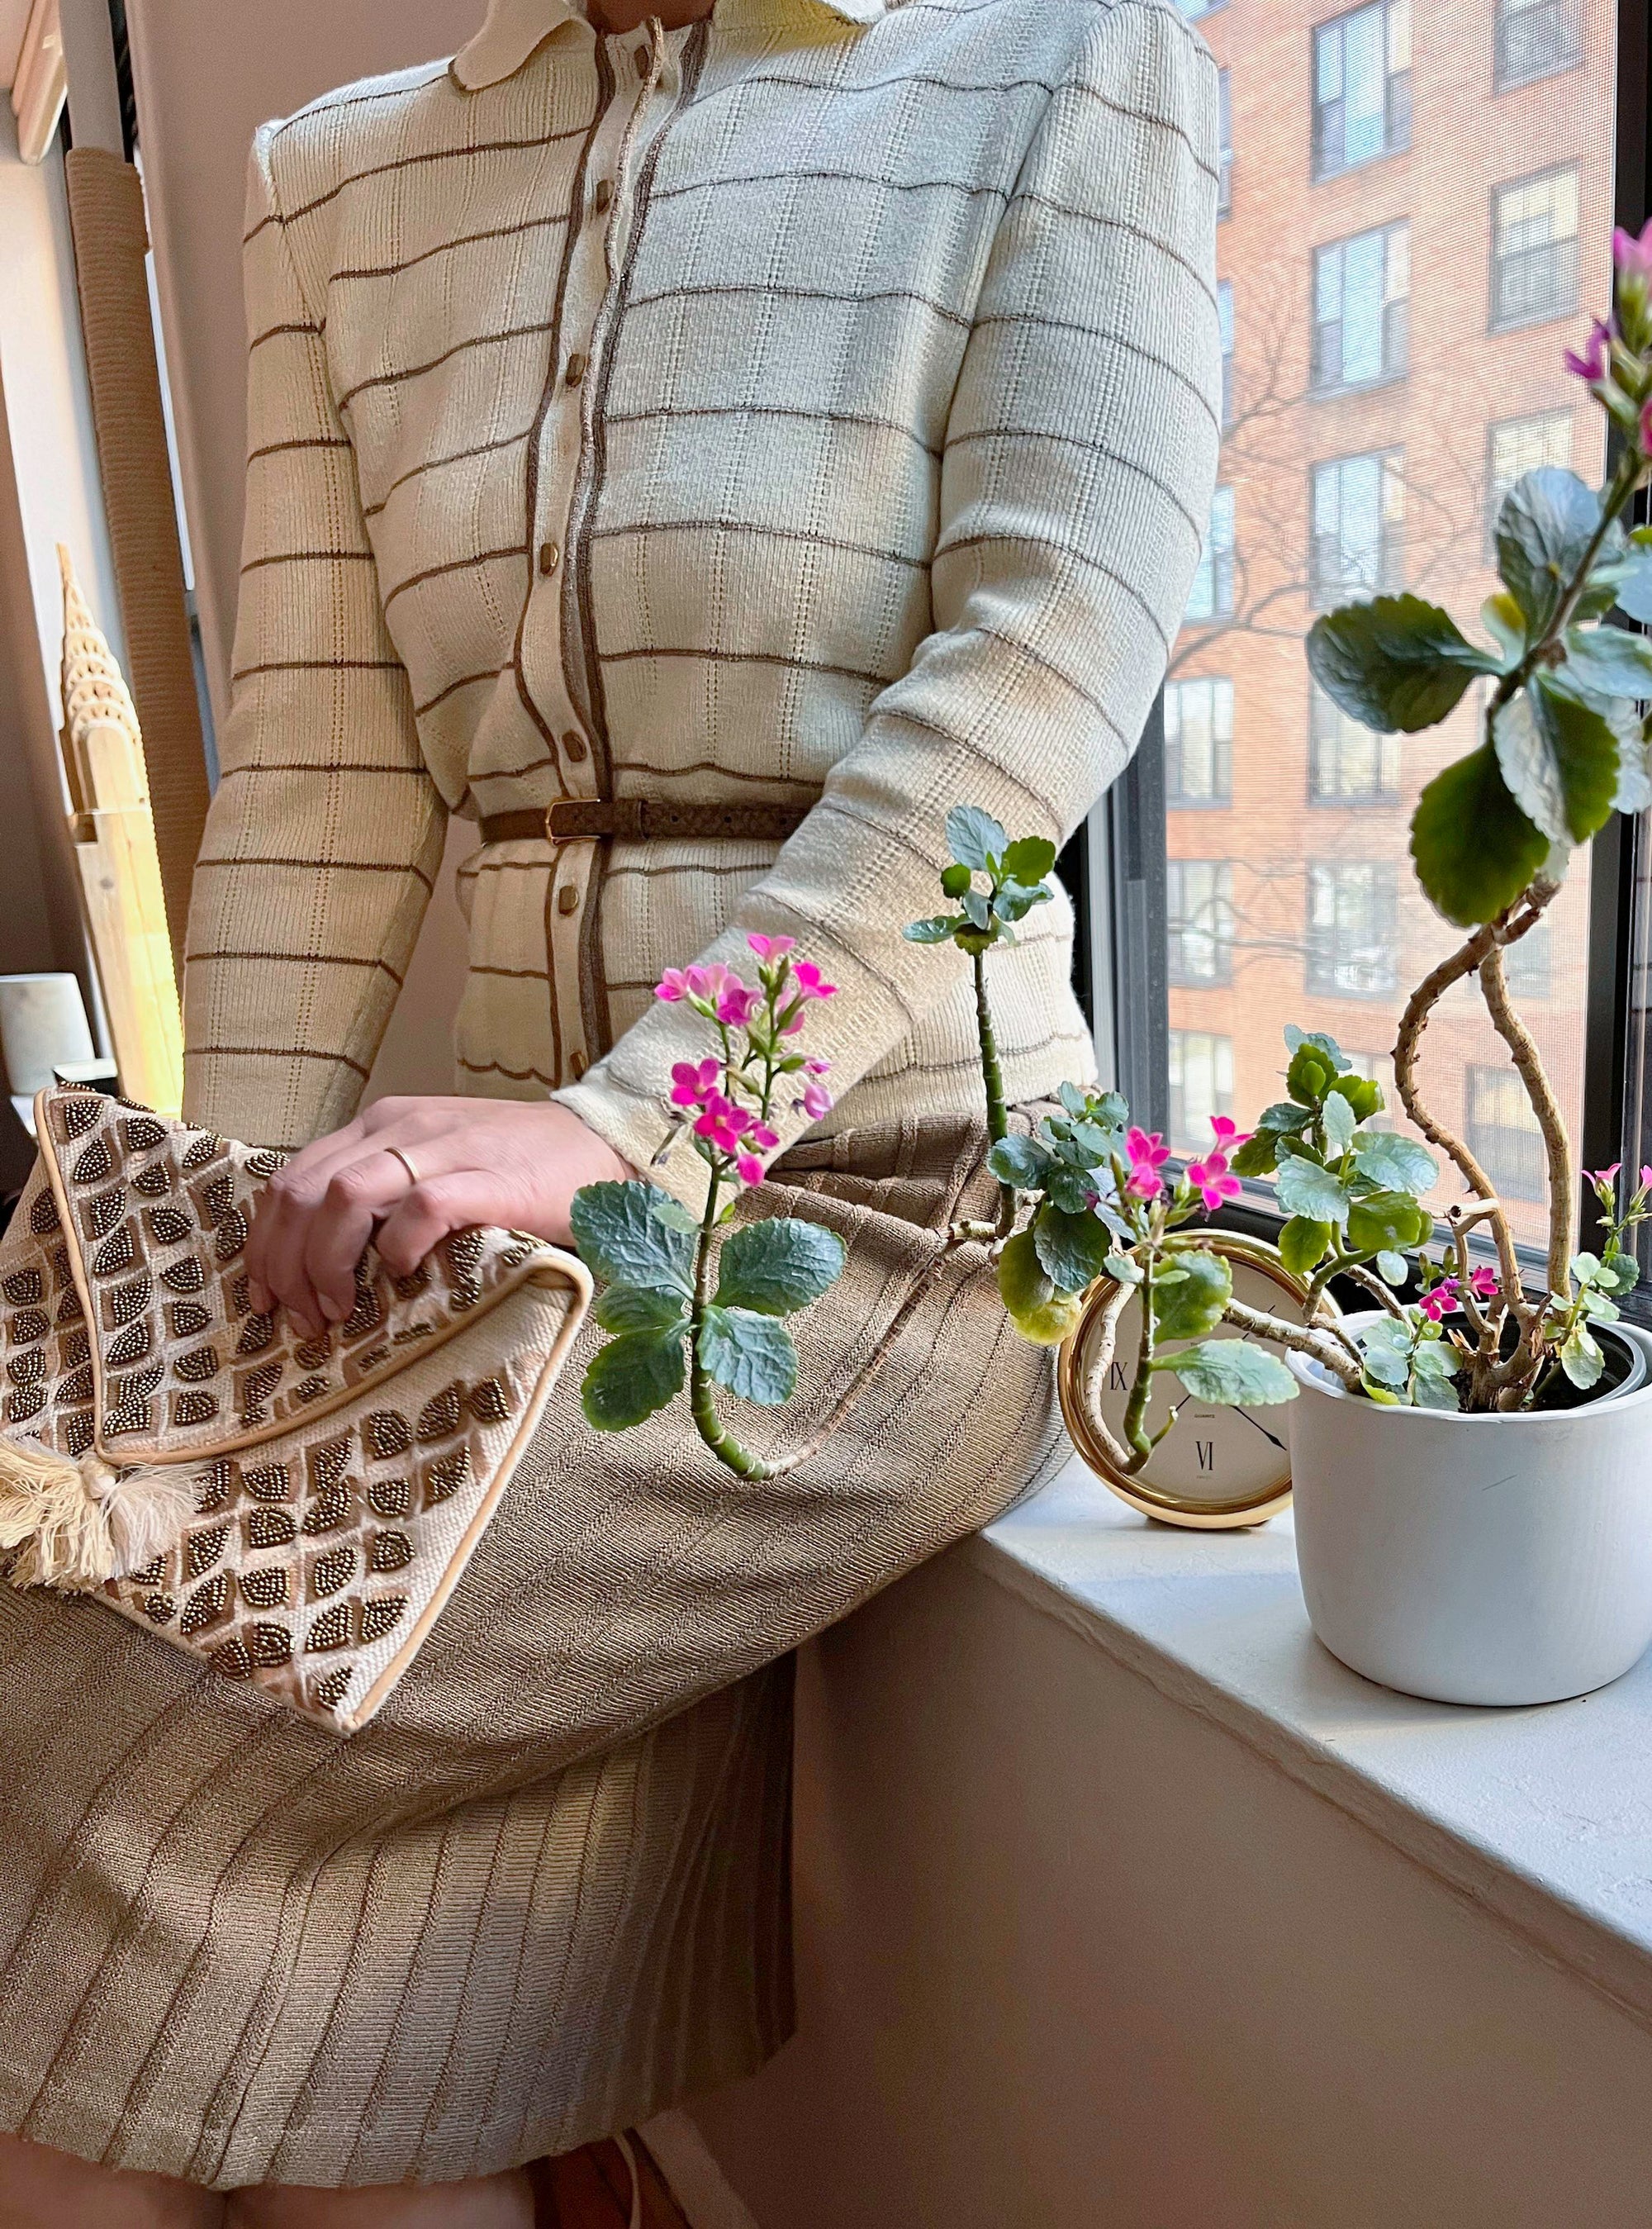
(1542, 1817)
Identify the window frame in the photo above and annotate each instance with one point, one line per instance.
(1504, 81)
(1395, 141)
(1321, 389)
(1551, 313)
(1390, 580)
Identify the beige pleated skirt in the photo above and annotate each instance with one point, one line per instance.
(544, 1893)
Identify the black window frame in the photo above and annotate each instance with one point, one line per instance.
(1510, 16)
(1397, 96)
(1565, 304)
(1395, 318)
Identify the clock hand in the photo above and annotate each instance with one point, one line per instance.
(1265, 1433)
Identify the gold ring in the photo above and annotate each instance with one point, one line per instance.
(405, 1160)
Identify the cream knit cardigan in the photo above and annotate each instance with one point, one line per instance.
(819, 403)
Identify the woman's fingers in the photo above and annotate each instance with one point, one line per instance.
(358, 1193)
(429, 1209)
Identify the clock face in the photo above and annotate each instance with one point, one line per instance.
(1220, 1466)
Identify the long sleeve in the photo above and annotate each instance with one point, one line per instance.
(1075, 486)
(325, 834)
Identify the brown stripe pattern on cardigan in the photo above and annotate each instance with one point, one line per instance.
(817, 407)
(543, 1894)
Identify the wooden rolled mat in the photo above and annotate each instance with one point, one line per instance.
(106, 218)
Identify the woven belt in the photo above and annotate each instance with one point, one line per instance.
(640, 820)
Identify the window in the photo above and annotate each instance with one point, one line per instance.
(1526, 965)
(1197, 8)
(1212, 584)
(1361, 87)
(1359, 517)
(1535, 38)
(1502, 1133)
(1349, 764)
(1225, 324)
(1224, 150)
(1201, 1084)
(1354, 928)
(1199, 901)
(1199, 741)
(1534, 249)
(1519, 445)
(1362, 309)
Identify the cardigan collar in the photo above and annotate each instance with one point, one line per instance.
(515, 29)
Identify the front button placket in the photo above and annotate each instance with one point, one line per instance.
(643, 82)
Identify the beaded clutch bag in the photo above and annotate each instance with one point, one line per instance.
(293, 1512)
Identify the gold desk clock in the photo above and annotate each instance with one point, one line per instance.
(1221, 1468)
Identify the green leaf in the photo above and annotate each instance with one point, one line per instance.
(1012, 901)
(1306, 1189)
(1387, 1219)
(672, 1213)
(752, 1355)
(1338, 1121)
(1435, 1393)
(1122, 1270)
(1232, 1372)
(1194, 1304)
(1547, 520)
(620, 1236)
(1474, 850)
(1587, 1267)
(976, 910)
(1394, 663)
(1019, 1161)
(640, 1308)
(1392, 1268)
(1071, 1189)
(627, 1380)
(955, 880)
(1309, 1075)
(1072, 1249)
(1320, 1042)
(1030, 859)
(1432, 1358)
(1257, 1157)
(939, 928)
(1287, 1116)
(1397, 1164)
(1362, 1093)
(1610, 660)
(1503, 619)
(1302, 1243)
(1075, 1101)
(778, 1266)
(976, 837)
(1634, 589)
(1582, 1359)
(1634, 790)
(1559, 760)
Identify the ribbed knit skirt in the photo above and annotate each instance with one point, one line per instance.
(544, 1892)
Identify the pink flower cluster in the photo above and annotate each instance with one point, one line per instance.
(1444, 1298)
(815, 1101)
(714, 986)
(727, 1128)
(1147, 1154)
(1632, 253)
(1604, 1179)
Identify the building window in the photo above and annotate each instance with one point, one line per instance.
(1526, 964)
(1535, 38)
(1362, 309)
(1534, 249)
(1195, 9)
(1199, 904)
(1503, 1135)
(1352, 928)
(1348, 763)
(1201, 1084)
(1361, 87)
(1212, 584)
(1224, 150)
(1358, 518)
(1224, 325)
(1519, 445)
(1199, 741)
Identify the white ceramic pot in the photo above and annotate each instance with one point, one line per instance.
(1476, 1559)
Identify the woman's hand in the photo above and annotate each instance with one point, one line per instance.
(475, 1161)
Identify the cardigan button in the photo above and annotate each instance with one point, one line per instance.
(574, 744)
(568, 898)
(549, 556)
(578, 1063)
(603, 195)
(576, 369)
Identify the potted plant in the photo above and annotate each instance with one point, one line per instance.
(1471, 1453)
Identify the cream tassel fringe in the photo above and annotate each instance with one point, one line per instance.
(76, 1526)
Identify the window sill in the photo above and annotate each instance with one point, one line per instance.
(1547, 317)
(1537, 1817)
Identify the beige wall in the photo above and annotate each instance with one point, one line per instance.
(1072, 1957)
(206, 72)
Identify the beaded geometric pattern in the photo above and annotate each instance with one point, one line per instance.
(340, 1482)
